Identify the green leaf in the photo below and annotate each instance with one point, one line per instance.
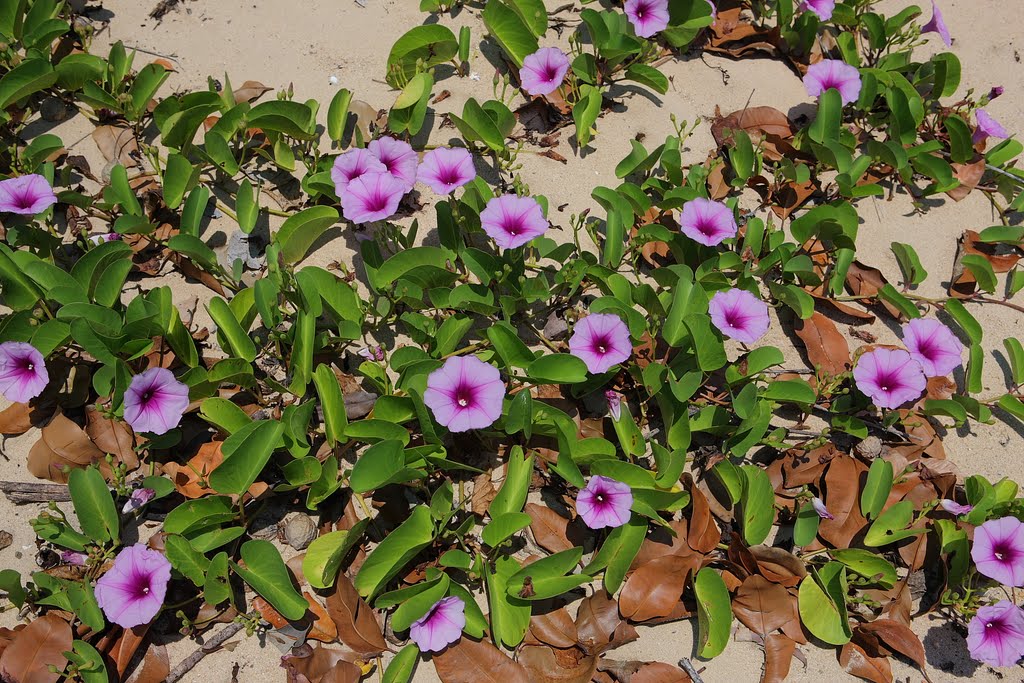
(246, 453)
(395, 551)
(217, 589)
(585, 113)
(830, 116)
(867, 564)
(401, 668)
(247, 208)
(509, 346)
(266, 572)
(503, 526)
(416, 606)
(324, 555)
(298, 232)
(94, 505)
(557, 368)
(757, 503)
(790, 390)
(649, 76)
(337, 115)
(891, 525)
(981, 269)
(805, 529)
(232, 336)
(618, 551)
(967, 322)
(548, 577)
(332, 402)
(428, 45)
(381, 464)
(909, 263)
(508, 28)
(191, 563)
(29, 77)
(197, 515)
(961, 147)
(510, 616)
(822, 602)
(88, 661)
(512, 495)
(876, 488)
(295, 119)
(224, 414)
(714, 613)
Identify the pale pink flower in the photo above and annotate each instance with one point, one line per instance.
(647, 16)
(543, 71)
(601, 340)
(995, 635)
(889, 377)
(605, 502)
(132, 592)
(933, 345)
(739, 315)
(987, 127)
(833, 73)
(708, 222)
(512, 221)
(27, 195)
(353, 164)
(938, 25)
(23, 374)
(398, 157)
(465, 393)
(371, 197)
(441, 626)
(155, 401)
(446, 168)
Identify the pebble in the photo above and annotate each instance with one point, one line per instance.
(299, 530)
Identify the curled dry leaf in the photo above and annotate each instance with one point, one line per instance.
(111, 436)
(63, 444)
(550, 665)
(250, 91)
(857, 662)
(969, 176)
(865, 281)
(548, 527)
(659, 672)
(35, 649)
(762, 606)
(116, 144)
(355, 622)
(826, 347)
(842, 495)
(556, 628)
(121, 644)
(154, 668)
(320, 665)
(898, 638)
(702, 533)
(778, 565)
(599, 625)
(655, 588)
(191, 479)
(15, 419)
(473, 661)
(778, 656)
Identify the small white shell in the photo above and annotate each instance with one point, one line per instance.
(333, 80)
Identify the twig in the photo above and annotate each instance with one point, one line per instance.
(686, 665)
(19, 492)
(210, 646)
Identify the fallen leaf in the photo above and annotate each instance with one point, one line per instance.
(898, 638)
(111, 436)
(117, 143)
(969, 176)
(599, 626)
(154, 668)
(35, 648)
(356, 624)
(321, 665)
(15, 419)
(762, 606)
(63, 444)
(473, 661)
(655, 588)
(857, 662)
(865, 281)
(548, 527)
(548, 665)
(191, 479)
(702, 533)
(555, 628)
(841, 496)
(659, 672)
(778, 656)
(826, 347)
(250, 91)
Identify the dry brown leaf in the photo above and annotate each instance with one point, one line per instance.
(34, 649)
(659, 672)
(120, 644)
(599, 626)
(898, 638)
(778, 565)
(15, 419)
(472, 661)
(321, 665)
(969, 176)
(826, 347)
(250, 91)
(62, 443)
(778, 655)
(357, 626)
(549, 665)
(841, 496)
(865, 281)
(655, 588)
(154, 668)
(702, 533)
(117, 143)
(548, 527)
(111, 436)
(483, 493)
(856, 661)
(191, 479)
(762, 606)
(555, 628)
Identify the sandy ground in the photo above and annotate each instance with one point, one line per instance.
(305, 42)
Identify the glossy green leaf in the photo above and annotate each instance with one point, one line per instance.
(266, 572)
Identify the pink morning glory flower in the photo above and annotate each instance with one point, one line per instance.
(138, 498)
(823, 8)
(601, 340)
(995, 635)
(707, 222)
(819, 506)
(465, 393)
(987, 127)
(28, 195)
(155, 401)
(23, 374)
(73, 558)
(996, 91)
(614, 399)
(512, 221)
(647, 16)
(714, 9)
(398, 157)
(933, 345)
(543, 71)
(938, 25)
(889, 377)
(604, 502)
(104, 237)
(353, 164)
(833, 73)
(445, 169)
(371, 197)
(998, 550)
(739, 315)
(955, 508)
(441, 626)
(132, 591)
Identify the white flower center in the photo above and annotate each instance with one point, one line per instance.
(463, 402)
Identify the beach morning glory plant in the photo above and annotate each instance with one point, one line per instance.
(601, 340)
(23, 374)
(155, 401)
(512, 221)
(833, 73)
(26, 195)
(132, 592)
(441, 626)
(604, 502)
(707, 222)
(543, 71)
(465, 393)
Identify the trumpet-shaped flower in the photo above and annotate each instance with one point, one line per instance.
(353, 164)
(707, 222)
(133, 590)
(995, 635)
(601, 340)
(998, 550)
(647, 16)
(155, 401)
(441, 626)
(938, 25)
(398, 157)
(889, 377)
(987, 127)
(605, 502)
(371, 197)
(28, 195)
(543, 71)
(933, 345)
(445, 169)
(955, 508)
(465, 393)
(823, 8)
(23, 374)
(833, 73)
(512, 221)
(739, 315)
(819, 506)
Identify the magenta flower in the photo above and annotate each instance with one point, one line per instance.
(132, 591)
(955, 508)
(938, 25)
(353, 164)
(739, 315)
(446, 168)
(155, 401)
(601, 340)
(998, 550)
(604, 502)
(889, 377)
(996, 91)
(714, 9)
(707, 222)
(614, 399)
(819, 506)
(104, 237)
(995, 635)
(138, 498)
(23, 374)
(371, 197)
(833, 73)
(647, 16)
(465, 393)
(987, 127)
(73, 558)
(441, 626)
(28, 195)
(543, 71)
(933, 345)
(512, 221)
(398, 157)
(823, 8)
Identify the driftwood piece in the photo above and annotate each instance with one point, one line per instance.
(21, 492)
(210, 646)
(686, 665)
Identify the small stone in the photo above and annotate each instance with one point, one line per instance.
(870, 448)
(53, 109)
(5, 539)
(247, 248)
(299, 530)
(555, 328)
(358, 404)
